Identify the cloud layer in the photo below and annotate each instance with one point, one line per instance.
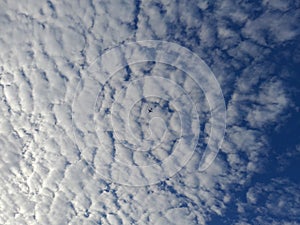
(48, 177)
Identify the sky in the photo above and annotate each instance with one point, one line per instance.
(149, 112)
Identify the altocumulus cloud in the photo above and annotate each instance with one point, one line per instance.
(45, 175)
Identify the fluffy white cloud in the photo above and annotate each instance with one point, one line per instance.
(47, 177)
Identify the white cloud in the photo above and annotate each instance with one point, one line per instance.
(45, 178)
(276, 202)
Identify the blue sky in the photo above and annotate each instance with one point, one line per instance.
(90, 123)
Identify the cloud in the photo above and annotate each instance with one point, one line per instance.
(276, 202)
(48, 177)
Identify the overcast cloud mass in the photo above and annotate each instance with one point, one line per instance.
(80, 145)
